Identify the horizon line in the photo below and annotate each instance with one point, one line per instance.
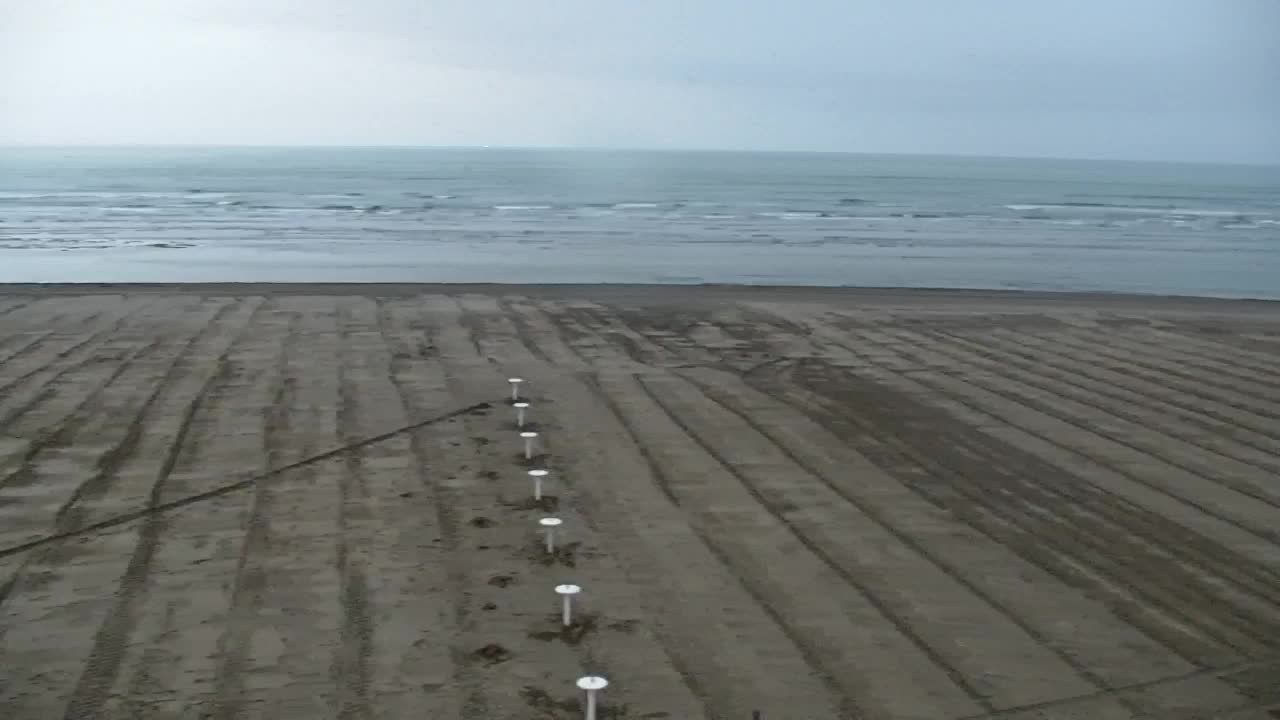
(604, 148)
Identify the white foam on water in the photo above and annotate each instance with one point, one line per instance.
(1206, 213)
(634, 205)
(521, 207)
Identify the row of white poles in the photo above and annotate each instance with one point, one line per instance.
(592, 684)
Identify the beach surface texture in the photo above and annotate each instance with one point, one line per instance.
(311, 501)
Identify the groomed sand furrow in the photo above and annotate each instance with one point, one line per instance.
(1228, 428)
(70, 461)
(719, 588)
(1198, 649)
(1100, 645)
(540, 334)
(1199, 582)
(1007, 656)
(1157, 665)
(1243, 409)
(15, 344)
(129, 493)
(232, 648)
(493, 331)
(621, 642)
(890, 446)
(986, 476)
(1141, 434)
(350, 668)
(133, 475)
(500, 596)
(858, 610)
(592, 349)
(526, 330)
(34, 388)
(1173, 539)
(1216, 378)
(169, 665)
(53, 315)
(12, 305)
(638, 347)
(626, 593)
(70, 343)
(434, 585)
(1201, 348)
(1056, 442)
(291, 560)
(803, 502)
(1087, 435)
(47, 420)
(682, 348)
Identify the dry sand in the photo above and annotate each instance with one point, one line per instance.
(815, 504)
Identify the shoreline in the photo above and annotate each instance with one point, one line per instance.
(665, 293)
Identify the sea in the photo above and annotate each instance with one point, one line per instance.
(200, 214)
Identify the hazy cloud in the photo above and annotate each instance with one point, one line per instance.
(1167, 79)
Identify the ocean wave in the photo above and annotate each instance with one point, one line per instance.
(521, 207)
(794, 215)
(634, 205)
(1175, 212)
(1156, 213)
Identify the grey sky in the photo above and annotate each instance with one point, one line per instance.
(1141, 79)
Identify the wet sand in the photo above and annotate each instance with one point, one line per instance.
(812, 503)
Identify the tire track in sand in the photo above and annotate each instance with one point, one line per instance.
(51, 470)
(69, 343)
(176, 399)
(284, 624)
(42, 398)
(427, 335)
(168, 667)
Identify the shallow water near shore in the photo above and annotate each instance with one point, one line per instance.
(562, 216)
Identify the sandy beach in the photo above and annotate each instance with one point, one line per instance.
(881, 504)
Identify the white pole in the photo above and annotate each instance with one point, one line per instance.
(592, 685)
(566, 593)
(549, 524)
(515, 387)
(528, 444)
(537, 476)
(520, 406)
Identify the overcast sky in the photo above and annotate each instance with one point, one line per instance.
(1135, 79)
